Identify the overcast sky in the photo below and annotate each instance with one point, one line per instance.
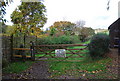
(94, 12)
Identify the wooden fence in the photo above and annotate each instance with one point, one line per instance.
(21, 52)
(48, 51)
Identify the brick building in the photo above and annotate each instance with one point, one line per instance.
(114, 33)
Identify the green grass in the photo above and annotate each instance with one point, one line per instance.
(75, 68)
(17, 67)
(78, 68)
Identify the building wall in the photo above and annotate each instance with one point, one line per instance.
(115, 34)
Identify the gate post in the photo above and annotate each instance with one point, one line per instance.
(11, 47)
(22, 52)
(32, 51)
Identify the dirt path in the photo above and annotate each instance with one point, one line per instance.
(114, 68)
(38, 70)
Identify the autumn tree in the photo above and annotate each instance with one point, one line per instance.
(63, 26)
(30, 17)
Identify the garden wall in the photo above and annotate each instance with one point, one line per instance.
(6, 44)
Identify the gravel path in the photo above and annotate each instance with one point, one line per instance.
(38, 70)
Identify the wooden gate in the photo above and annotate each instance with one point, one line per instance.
(49, 51)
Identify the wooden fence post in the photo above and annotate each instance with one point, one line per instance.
(22, 52)
(24, 40)
(32, 50)
(11, 46)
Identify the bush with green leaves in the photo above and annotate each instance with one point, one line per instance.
(99, 45)
(58, 40)
(51, 40)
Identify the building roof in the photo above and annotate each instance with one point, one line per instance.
(112, 25)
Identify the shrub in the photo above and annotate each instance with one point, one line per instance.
(99, 45)
(58, 40)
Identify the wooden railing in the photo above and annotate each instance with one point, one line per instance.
(21, 49)
(24, 55)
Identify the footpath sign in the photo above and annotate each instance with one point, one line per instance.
(60, 53)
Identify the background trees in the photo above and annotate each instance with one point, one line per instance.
(85, 33)
(63, 26)
(80, 23)
(68, 28)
